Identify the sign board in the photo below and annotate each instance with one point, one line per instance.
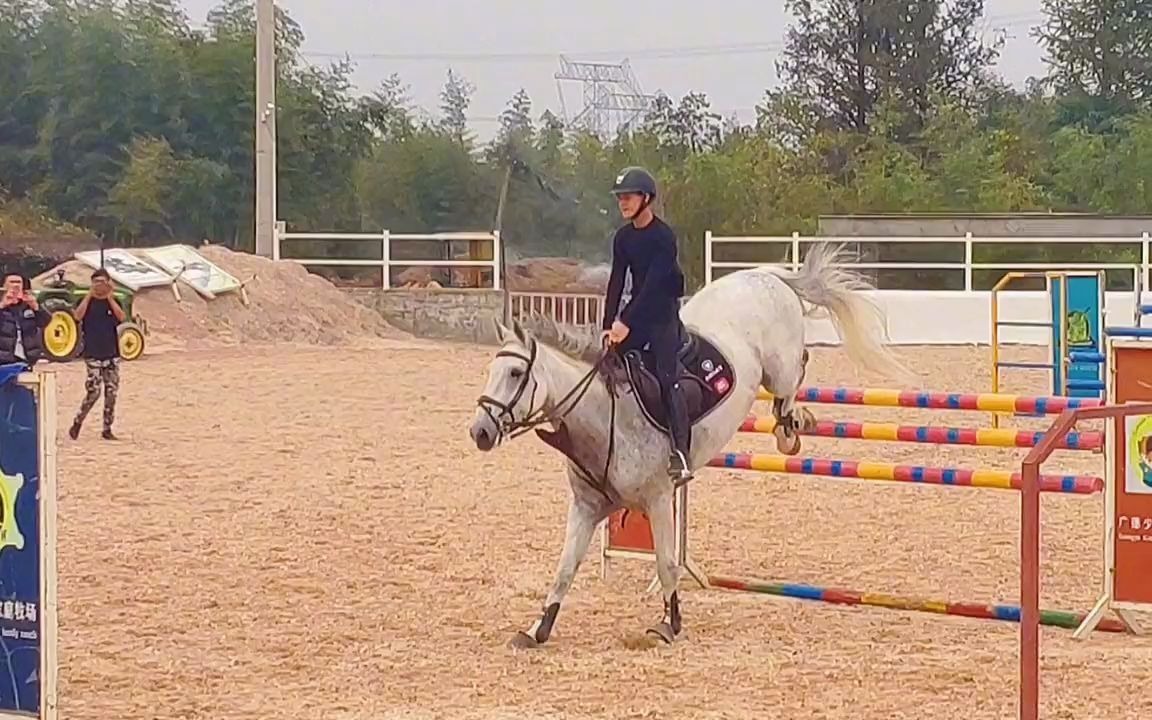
(125, 268)
(28, 668)
(1128, 491)
(192, 268)
(1078, 326)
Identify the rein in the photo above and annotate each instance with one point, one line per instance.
(503, 415)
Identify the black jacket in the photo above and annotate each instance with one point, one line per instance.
(31, 324)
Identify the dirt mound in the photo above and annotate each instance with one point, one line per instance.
(287, 304)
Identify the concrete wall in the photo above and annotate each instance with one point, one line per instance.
(446, 314)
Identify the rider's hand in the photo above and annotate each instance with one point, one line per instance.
(618, 333)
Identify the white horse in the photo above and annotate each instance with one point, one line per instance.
(747, 330)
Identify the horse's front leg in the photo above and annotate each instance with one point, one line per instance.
(661, 518)
(583, 517)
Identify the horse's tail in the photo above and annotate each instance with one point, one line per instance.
(859, 320)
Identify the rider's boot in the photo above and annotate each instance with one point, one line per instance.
(679, 466)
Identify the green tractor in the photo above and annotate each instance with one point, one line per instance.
(63, 339)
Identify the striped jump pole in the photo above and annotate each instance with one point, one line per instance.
(891, 472)
(1009, 613)
(987, 402)
(937, 435)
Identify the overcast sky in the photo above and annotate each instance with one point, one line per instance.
(725, 48)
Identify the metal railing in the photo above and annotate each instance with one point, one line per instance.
(579, 310)
(386, 258)
(1140, 247)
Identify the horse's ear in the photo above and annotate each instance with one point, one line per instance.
(502, 331)
(518, 329)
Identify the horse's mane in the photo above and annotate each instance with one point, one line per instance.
(573, 342)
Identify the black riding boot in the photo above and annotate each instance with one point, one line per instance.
(679, 467)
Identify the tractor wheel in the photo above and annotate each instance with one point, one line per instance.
(62, 334)
(131, 339)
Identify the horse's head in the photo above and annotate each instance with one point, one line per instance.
(514, 391)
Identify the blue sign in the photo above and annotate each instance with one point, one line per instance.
(1078, 340)
(21, 615)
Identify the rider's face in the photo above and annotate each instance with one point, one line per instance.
(629, 204)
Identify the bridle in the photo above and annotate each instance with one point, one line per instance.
(503, 415)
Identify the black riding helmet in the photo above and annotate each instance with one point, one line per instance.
(636, 180)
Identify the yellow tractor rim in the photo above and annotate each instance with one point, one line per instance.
(131, 344)
(60, 335)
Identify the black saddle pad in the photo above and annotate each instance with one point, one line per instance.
(705, 375)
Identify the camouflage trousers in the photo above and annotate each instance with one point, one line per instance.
(106, 373)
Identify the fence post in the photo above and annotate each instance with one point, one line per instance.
(707, 257)
(968, 261)
(385, 259)
(496, 279)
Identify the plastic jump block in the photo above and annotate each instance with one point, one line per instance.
(890, 472)
(1086, 356)
(989, 402)
(1134, 332)
(1007, 613)
(1146, 309)
(937, 435)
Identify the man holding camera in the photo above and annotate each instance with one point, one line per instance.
(22, 323)
(99, 314)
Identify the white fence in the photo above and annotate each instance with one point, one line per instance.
(387, 258)
(585, 311)
(926, 316)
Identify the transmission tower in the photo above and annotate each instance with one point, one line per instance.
(613, 99)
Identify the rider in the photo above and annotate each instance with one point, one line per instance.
(646, 248)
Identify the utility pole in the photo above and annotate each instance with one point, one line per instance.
(265, 125)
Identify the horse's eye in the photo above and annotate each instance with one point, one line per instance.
(516, 374)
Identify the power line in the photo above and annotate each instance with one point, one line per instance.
(648, 53)
(655, 53)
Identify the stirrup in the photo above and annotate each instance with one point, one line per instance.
(678, 466)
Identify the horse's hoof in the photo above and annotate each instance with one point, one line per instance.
(523, 641)
(788, 444)
(663, 631)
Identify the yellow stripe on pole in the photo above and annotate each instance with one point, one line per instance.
(881, 396)
(996, 402)
(1001, 479)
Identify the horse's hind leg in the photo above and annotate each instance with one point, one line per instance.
(582, 520)
(784, 381)
(662, 521)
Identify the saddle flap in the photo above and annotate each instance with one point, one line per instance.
(706, 378)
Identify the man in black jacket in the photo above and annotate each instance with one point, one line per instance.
(646, 249)
(22, 323)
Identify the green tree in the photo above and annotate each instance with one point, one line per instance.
(1100, 49)
(843, 57)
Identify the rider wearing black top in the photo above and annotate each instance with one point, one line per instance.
(646, 249)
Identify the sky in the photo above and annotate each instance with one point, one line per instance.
(724, 48)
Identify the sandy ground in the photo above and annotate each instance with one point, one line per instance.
(307, 533)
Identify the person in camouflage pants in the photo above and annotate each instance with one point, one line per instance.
(100, 372)
(100, 314)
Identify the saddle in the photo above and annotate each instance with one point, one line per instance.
(705, 375)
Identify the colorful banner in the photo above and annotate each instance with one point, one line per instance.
(1132, 580)
(21, 616)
